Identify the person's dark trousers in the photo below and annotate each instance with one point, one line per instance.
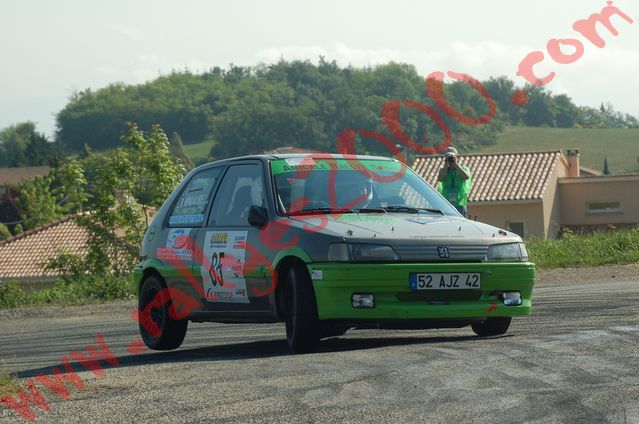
(462, 210)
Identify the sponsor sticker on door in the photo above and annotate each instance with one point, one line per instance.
(223, 279)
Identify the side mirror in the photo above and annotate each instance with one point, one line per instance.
(257, 216)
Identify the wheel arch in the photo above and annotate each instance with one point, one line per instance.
(146, 273)
(281, 270)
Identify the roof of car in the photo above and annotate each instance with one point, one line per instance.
(327, 156)
(292, 156)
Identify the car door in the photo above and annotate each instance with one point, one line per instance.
(232, 277)
(177, 248)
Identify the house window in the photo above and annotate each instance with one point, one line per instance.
(603, 207)
(517, 228)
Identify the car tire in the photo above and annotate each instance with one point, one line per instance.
(303, 330)
(492, 326)
(170, 332)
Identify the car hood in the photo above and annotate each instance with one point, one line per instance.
(402, 227)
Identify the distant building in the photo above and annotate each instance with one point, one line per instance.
(534, 194)
(14, 176)
(24, 256)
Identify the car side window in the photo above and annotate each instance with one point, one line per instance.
(241, 188)
(191, 205)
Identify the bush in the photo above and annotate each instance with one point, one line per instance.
(69, 291)
(599, 248)
(97, 287)
(4, 232)
(11, 295)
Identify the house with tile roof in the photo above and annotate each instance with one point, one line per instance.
(24, 256)
(14, 176)
(535, 194)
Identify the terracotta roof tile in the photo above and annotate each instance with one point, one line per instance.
(499, 176)
(26, 255)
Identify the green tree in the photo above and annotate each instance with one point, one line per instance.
(299, 103)
(566, 116)
(540, 109)
(501, 89)
(4, 232)
(13, 143)
(114, 222)
(467, 100)
(176, 149)
(588, 117)
(179, 102)
(128, 183)
(38, 150)
(38, 202)
(86, 151)
(71, 187)
(264, 116)
(22, 145)
(9, 207)
(631, 121)
(47, 198)
(157, 172)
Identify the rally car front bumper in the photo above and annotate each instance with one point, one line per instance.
(335, 284)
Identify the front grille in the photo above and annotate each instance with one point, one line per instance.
(429, 253)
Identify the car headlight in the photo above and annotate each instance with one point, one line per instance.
(360, 252)
(507, 252)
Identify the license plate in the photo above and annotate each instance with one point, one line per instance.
(445, 281)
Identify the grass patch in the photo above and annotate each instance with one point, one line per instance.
(200, 151)
(79, 291)
(9, 384)
(618, 144)
(574, 251)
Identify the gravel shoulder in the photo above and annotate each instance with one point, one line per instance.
(586, 275)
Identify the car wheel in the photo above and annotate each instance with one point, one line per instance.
(158, 329)
(492, 326)
(303, 329)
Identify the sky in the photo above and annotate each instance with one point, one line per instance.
(49, 49)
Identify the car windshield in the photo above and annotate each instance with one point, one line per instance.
(326, 185)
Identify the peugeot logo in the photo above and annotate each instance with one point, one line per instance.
(443, 252)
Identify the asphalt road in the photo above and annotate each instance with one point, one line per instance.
(575, 360)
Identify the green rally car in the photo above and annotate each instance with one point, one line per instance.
(325, 243)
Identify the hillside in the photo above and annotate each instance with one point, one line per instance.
(621, 146)
(248, 109)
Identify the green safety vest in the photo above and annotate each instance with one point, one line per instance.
(454, 188)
